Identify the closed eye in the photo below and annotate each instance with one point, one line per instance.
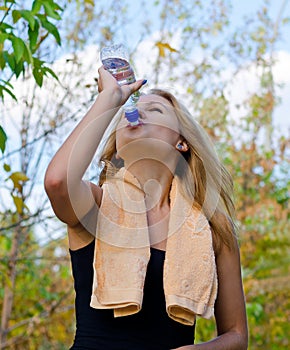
(155, 109)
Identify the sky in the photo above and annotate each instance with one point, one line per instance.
(243, 8)
(240, 9)
(245, 81)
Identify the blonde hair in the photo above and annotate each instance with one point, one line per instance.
(205, 181)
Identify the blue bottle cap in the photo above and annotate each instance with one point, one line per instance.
(132, 116)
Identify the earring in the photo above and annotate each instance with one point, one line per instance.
(179, 146)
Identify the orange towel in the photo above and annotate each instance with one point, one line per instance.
(122, 252)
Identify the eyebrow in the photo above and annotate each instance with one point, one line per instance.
(150, 103)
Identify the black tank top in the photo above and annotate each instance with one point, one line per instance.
(149, 329)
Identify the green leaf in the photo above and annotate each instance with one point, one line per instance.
(50, 8)
(3, 139)
(33, 36)
(51, 28)
(18, 46)
(3, 37)
(4, 88)
(19, 67)
(38, 75)
(28, 17)
(50, 71)
(4, 26)
(2, 61)
(27, 54)
(7, 83)
(36, 6)
(16, 15)
(10, 59)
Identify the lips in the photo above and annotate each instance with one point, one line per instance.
(135, 126)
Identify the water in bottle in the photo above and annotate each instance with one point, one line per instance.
(120, 69)
(115, 59)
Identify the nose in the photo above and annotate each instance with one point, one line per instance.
(142, 114)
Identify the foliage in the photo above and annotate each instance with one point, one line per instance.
(17, 52)
(48, 295)
(253, 149)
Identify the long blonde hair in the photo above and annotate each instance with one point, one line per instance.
(205, 181)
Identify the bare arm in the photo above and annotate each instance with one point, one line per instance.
(230, 311)
(70, 196)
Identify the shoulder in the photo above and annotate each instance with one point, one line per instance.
(83, 232)
(224, 232)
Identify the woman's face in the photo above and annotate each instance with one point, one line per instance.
(157, 135)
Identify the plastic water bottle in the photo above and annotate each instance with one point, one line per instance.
(115, 59)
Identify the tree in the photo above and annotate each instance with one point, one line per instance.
(22, 33)
(254, 150)
(18, 52)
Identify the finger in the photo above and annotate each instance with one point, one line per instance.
(100, 87)
(137, 85)
(101, 69)
(99, 84)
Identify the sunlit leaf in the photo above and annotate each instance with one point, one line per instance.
(90, 2)
(36, 6)
(19, 204)
(7, 167)
(19, 47)
(16, 15)
(38, 76)
(28, 17)
(163, 47)
(50, 9)
(51, 28)
(18, 178)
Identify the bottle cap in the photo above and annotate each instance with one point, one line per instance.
(132, 116)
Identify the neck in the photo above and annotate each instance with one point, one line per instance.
(155, 180)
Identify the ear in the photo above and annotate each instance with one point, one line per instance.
(117, 156)
(182, 146)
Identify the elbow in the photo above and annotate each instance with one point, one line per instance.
(242, 338)
(245, 343)
(237, 340)
(54, 184)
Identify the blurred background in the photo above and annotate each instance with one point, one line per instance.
(229, 61)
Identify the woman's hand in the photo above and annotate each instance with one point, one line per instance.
(107, 82)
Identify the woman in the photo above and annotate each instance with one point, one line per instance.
(166, 264)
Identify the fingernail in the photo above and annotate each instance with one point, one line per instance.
(144, 81)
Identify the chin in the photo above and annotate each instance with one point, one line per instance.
(147, 148)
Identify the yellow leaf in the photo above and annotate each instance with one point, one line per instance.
(17, 178)
(19, 204)
(164, 46)
(90, 2)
